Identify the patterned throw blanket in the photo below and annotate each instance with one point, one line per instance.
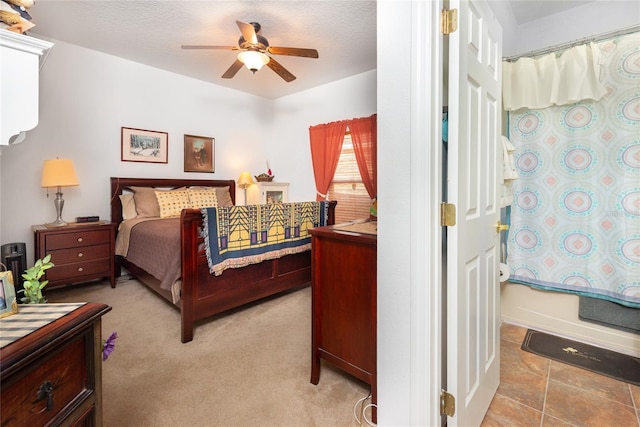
(236, 236)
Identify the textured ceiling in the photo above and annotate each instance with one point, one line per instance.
(529, 10)
(151, 32)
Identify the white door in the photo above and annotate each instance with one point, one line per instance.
(473, 244)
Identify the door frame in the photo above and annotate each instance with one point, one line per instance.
(426, 242)
(409, 232)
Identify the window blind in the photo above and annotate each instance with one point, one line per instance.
(347, 187)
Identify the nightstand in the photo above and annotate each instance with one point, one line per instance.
(267, 193)
(80, 252)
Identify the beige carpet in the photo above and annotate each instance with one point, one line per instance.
(250, 367)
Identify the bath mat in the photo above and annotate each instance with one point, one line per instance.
(614, 365)
(609, 314)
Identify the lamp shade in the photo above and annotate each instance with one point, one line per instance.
(245, 180)
(253, 60)
(58, 172)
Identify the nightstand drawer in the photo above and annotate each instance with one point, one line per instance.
(76, 239)
(68, 272)
(65, 373)
(80, 254)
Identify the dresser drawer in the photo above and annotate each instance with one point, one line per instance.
(74, 255)
(76, 239)
(68, 272)
(67, 375)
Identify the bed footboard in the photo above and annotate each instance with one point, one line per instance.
(204, 294)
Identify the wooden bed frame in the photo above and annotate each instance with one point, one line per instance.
(204, 294)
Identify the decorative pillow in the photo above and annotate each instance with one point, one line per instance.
(224, 197)
(172, 202)
(128, 206)
(202, 197)
(146, 202)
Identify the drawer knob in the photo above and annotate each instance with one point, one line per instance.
(80, 254)
(45, 391)
(80, 269)
(79, 239)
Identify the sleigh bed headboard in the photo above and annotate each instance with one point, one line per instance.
(123, 185)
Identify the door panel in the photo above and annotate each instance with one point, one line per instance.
(473, 305)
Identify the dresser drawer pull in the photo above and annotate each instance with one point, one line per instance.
(45, 392)
(80, 254)
(79, 239)
(80, 269)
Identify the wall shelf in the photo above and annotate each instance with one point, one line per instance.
(21, 58)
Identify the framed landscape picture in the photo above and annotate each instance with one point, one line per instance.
(139, 145)
(199, 154)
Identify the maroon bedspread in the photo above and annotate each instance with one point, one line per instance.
(155, 247)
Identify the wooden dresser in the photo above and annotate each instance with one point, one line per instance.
(344, 307)
(53, 374)
(80, 252)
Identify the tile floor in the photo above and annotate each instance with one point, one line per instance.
(535, 391)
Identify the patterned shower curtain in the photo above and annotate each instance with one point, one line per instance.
(575, 219)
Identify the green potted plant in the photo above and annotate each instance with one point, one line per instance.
(32, 285)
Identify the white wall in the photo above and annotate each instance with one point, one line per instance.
(288, 146)
(85, 99)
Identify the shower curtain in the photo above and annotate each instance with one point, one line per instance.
(575, 218)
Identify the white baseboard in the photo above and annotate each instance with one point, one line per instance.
(557, 313)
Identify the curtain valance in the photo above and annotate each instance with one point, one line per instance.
(553, 79)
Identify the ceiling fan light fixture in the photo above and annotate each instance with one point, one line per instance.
(253, 59)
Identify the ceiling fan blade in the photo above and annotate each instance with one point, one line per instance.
(204, 46)
(248, 32)
(233, 69)
(293, 51)
(280, 70)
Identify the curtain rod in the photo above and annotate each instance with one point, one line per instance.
(585, 40)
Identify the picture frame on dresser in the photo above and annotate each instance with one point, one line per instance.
(199, 155)
(268, 193)
(8, 300)
(140, 145)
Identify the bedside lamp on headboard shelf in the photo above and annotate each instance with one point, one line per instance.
(58, 173)
(244, 181)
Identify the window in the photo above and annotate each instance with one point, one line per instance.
(347, 187)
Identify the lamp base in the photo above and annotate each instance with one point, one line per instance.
(59, 203)
(57, 223)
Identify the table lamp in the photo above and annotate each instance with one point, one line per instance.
(244, 181)
(58, 173)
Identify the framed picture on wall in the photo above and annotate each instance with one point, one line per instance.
(8, 302)
(139, 145)
(199, 154)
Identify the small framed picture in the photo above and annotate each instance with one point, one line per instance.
(139, 145)
(199, 154)
(8, 302)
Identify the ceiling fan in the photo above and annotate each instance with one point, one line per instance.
(254, 48)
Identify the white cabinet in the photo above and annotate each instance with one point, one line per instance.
(267, 192)
(20, 60)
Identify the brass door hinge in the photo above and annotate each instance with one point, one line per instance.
(449, 21)
(447, 214)
(447, 403)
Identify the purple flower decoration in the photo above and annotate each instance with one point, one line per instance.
(109, 345)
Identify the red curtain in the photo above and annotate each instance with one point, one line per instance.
(326, 145)
(364, 134)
